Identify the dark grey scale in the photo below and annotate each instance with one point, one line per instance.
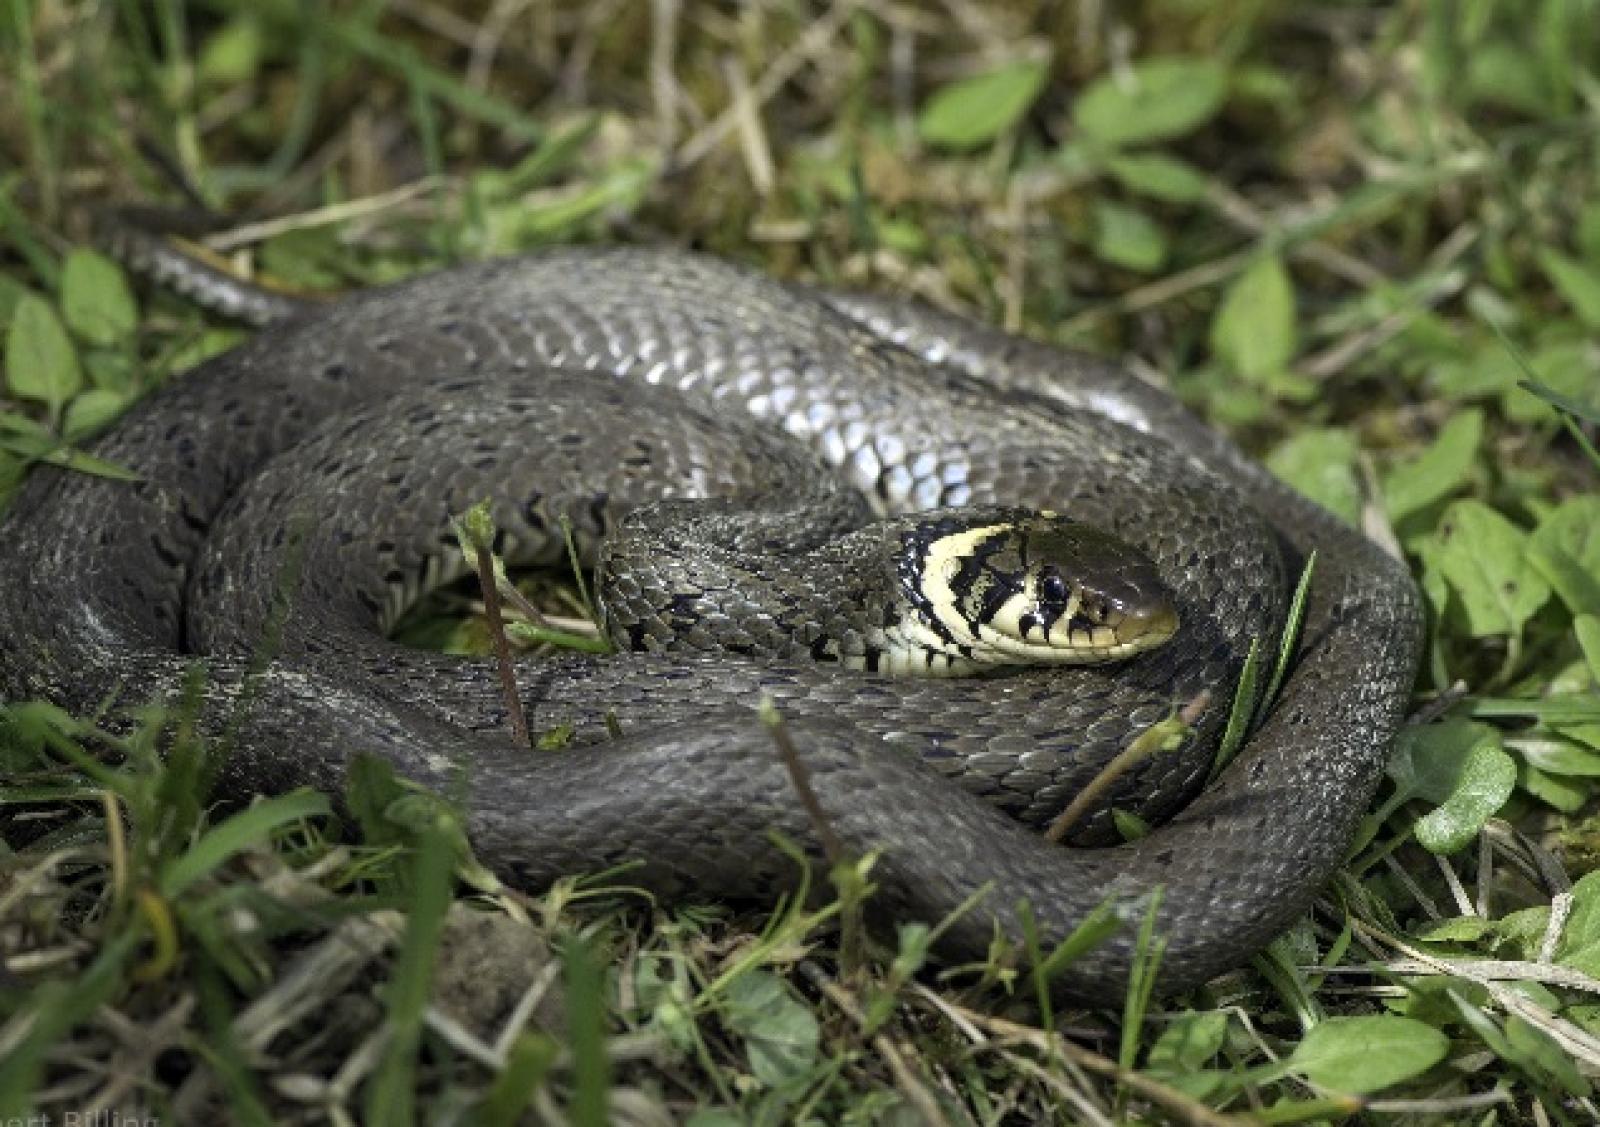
(910, 408)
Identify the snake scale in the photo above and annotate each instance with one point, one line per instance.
(333, 447)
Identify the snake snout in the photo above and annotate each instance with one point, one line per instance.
(1131, 619)
(1096, 597)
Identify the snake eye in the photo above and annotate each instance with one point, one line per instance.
(1054, 588)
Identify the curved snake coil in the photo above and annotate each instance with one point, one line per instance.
(333, 447)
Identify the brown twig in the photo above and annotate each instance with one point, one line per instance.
(1185, 1108)
(502, 645)
(800, 777)
(1149, 742)
(895, 1054)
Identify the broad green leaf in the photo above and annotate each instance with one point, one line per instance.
(1159, 177)
(112, 369)
(40, 361)
(1568, 379)
(1502, 73)
(1577, 283)
(781, 1034)
(91, 411)
(1368, 1053)
(1461, 766)
(1565, 549)
(95, 299)
(1488, 776)
(1439, 471)
(1589, 230)
(1582, 403)
(1126, 237)
(11, 292)
(1556, 755)
(1155, 99)
(1321, 463)
(1580, 937)
(976, 110)
(233, 54)
(1558, 791)
(1483, 556)
(1587, 628)
(1254, 328)
(1474, 369)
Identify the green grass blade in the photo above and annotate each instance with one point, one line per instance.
(250, 827)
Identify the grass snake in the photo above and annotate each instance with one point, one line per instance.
(590, 383)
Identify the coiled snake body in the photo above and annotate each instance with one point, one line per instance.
(333, 448)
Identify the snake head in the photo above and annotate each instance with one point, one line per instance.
(1035, 588)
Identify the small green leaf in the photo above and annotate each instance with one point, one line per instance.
(1442, 469)
(1126, 237)
(1321, 464)
(1368, 1053)
(233, 54)
(1155, 99)
(95, 299)
(1577, 283)
(1189, 1043)
(40, 361)
(715, 1117)
(1130, 827)
(1254, 327)
(1461, 929)
(1158, 176)
(1461, 765)
(1483, 556)
(1558, 791)
(1503, 73)
(781, 1034)
(976, 110)
(555, 155)
(1565, 549)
